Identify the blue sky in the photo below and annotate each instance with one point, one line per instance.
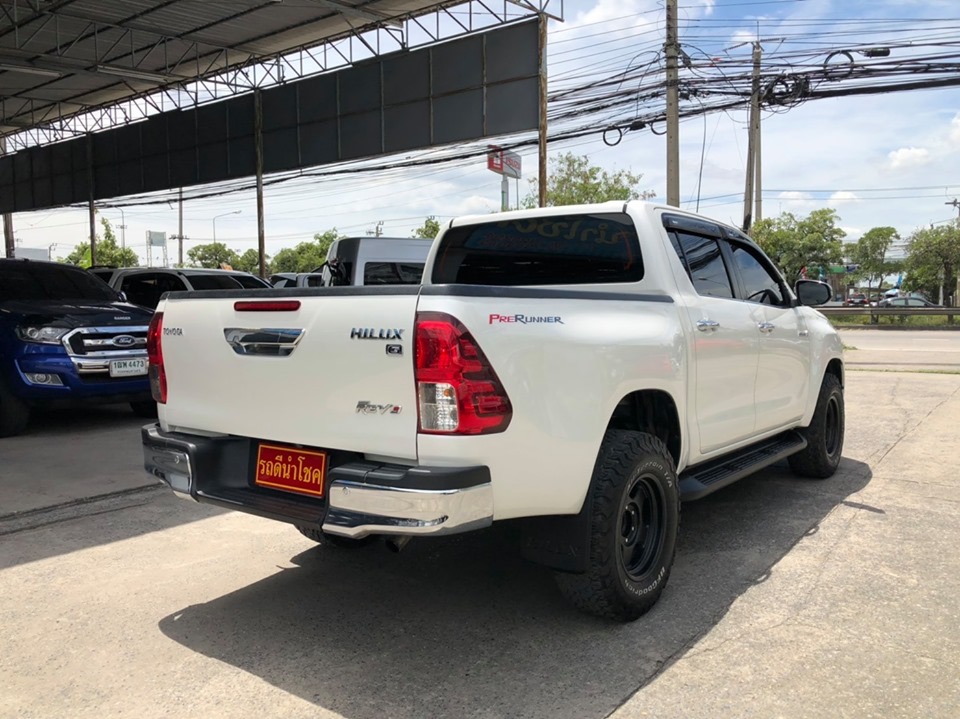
(878, 160)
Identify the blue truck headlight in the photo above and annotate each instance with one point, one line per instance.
(42, 335)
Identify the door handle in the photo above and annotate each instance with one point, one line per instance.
(708, 325)
(766, 327)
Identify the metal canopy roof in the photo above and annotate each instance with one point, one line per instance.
(59, 58)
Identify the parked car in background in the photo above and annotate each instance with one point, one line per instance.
(913, 302)
(66, 338)
(145, 285)
(361, 261)
(858, 299)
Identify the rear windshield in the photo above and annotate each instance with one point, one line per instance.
(212, 282)
(556, 250)
(249, 282)
(30, 281)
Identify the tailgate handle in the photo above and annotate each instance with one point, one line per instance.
(263, 341)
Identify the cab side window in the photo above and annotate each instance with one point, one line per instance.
(759, 284)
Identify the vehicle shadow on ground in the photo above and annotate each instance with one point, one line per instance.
(462, 626)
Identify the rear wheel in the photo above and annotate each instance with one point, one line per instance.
(335, 540)
(635, 519)
(14, 413)
(824, 436)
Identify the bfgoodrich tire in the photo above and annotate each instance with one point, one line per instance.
(14, 413)
(824, 436)
(333, 540)
(634, 521)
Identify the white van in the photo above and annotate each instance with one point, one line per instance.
(364, 261)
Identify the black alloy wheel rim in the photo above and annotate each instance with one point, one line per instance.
(641, 527)
(832, 435)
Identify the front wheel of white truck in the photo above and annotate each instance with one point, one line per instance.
(634, 521)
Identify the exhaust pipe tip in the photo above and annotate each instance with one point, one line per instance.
(396, 544)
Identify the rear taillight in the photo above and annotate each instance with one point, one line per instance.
(458, 391)
(158, 376)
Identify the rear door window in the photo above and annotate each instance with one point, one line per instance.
(554, 250)
(392, 273)
(704, 263)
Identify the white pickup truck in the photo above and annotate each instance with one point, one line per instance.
(582, 369)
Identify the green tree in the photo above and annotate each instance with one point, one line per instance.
(108, 252)
(795, 243)
(249, 261)
(574, 181)
(429, 229)
(933, 257)
(870, 252)
(212, 255)
(306, 256)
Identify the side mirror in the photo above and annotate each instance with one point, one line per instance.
(122, 296)
(812, 293)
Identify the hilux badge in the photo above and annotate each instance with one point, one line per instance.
(367, 333)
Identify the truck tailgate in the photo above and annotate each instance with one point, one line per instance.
(336, 373)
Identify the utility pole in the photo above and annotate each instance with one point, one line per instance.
(956, 295)
(11, 247)
(180, 230)
(542, 128)
(753, 145)
(123, 229)
(671, 50)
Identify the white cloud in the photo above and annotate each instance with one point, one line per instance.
(843, 197)
(955, 129)
(794, 200)
(853, 234)
(908, 157)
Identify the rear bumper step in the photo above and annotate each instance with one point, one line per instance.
(699, 481)
(363, 497)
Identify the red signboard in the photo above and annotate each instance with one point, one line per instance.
(504, 162)
(291, 469)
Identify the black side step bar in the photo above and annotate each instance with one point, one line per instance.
(703, 479)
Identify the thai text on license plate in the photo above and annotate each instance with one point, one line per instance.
(291, 469)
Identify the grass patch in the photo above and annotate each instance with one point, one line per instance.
(895, 321)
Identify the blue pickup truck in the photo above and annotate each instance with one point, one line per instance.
(67, 338)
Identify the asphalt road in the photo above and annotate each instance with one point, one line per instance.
(914, 350)
(788, 598)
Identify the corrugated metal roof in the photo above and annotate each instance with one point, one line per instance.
(63, 57)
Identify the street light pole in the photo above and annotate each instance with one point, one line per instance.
(235, 212)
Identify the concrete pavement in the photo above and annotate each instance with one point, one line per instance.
(788, 598)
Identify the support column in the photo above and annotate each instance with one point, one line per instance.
(8, 239)
(258, 149)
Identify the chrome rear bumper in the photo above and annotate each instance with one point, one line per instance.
(363, 498)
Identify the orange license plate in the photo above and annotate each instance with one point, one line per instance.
(291, 469)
